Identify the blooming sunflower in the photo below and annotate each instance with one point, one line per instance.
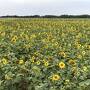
(61, 65)
(63, 54)
(38, 62)
(55, 77)
(4, 61)
(14, 39)
(46, 63)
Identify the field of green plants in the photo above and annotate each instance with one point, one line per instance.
(44, 54)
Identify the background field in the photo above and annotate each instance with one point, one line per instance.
(44, 54)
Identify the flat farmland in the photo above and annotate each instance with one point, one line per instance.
(44, 54)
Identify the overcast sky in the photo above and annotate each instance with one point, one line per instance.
(44, 7)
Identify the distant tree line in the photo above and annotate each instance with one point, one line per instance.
(46, 16)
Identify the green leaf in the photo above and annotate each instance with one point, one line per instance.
(87, 82)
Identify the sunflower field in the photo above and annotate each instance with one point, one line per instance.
(44, 54)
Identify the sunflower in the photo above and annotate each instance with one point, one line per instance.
(85, 68)
(46, 63)
(21, 62)
(7, 77)
(61, 65)
(63, 54)
(83, 52)
(14, 39)
(55, 77)
(4, 61)
(72, 62)
(38, 62)
(79, 56)
(33, 59)
(66, 81)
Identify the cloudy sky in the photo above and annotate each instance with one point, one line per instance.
(44, 7)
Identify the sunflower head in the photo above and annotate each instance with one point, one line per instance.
(61, 65)
(4, 61)
(55, 77)
(14, 39)
(72, 62)
(46, 63)
(63, 54)
(38, 62)
(21, 61)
